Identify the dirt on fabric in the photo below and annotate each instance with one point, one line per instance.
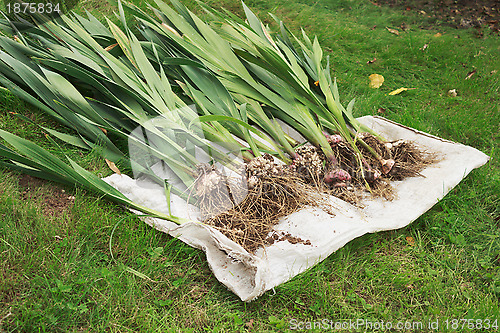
(460, 14)
(54, 199)
(282, 236)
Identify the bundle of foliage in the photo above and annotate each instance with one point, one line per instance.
(128, 92)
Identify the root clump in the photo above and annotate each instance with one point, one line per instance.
(399, 160)
(409, 159)
(247, 212)
(272, 196)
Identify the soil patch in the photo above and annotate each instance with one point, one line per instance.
(54, 199)
(457, 13)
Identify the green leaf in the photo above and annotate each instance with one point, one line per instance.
(253, 21)
(71, 139)
(169, 61)
(122, 40)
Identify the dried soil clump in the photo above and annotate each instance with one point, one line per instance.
(282, 236)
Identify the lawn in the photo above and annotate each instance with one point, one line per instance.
(72, 262)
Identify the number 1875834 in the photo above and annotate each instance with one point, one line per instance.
(33, 8)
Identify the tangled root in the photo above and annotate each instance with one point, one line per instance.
(274, 196)
(346, 178)
(409, 159)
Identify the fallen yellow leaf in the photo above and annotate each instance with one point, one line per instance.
(438, 34)
(392, 31)
(376, 80)
(410, 240)
(399, 91)
(112, 166)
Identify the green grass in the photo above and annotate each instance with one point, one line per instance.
(57, 274)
